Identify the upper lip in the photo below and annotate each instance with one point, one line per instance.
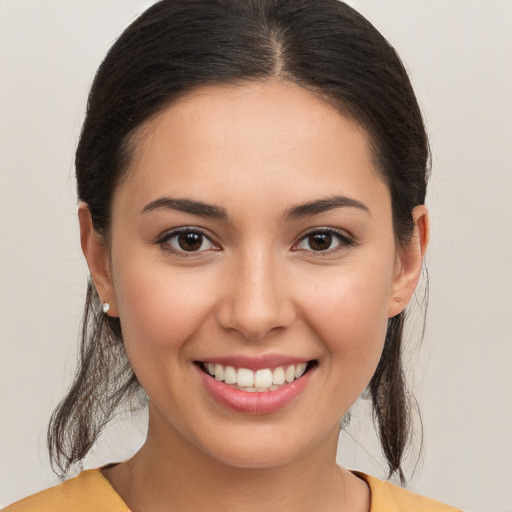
(256, 363)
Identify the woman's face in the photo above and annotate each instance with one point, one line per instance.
(253, 232)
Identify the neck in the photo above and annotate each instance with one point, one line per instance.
(169, 472)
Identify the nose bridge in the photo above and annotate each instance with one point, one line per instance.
(256, 300)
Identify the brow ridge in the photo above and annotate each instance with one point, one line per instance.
(296, 212)
(322, 205)
(187, 206)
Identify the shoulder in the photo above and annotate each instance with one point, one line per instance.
(386, 496)
(88, 492)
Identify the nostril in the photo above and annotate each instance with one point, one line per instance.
(255, 304)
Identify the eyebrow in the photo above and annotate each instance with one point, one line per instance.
(323, 205)
(218, 212)
(187, 206)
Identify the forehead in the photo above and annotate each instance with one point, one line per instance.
(258, 137)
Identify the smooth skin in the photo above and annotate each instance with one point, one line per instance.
(261, 276)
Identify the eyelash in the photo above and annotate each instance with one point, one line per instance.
(344, 241)
(163, 241)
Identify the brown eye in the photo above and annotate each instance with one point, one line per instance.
(190, 241)
(320, 241)
(187, 240)
(324, 240)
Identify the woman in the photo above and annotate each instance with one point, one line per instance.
(251, 177)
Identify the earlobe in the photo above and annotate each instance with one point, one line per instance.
(409, 263)
(97, 257)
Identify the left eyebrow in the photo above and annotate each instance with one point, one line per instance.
(323, 205)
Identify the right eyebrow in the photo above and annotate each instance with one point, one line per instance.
(187, 206)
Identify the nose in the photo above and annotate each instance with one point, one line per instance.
(257, 298)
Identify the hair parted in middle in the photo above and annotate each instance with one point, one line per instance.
(175, 46)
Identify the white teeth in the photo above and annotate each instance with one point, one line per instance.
(245, 378)
(219, 372)
(290, 374)
(261, 380)
(229, 375)
(278, 377)
(299, 370)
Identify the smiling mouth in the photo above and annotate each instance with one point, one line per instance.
(262, 380)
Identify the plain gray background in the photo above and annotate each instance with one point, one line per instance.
(459, 54)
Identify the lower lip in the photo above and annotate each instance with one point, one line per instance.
(265, 402)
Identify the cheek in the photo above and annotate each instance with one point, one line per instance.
(160, 308)
(349, 315)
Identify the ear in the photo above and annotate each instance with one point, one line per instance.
(409, 263)
(97, 256)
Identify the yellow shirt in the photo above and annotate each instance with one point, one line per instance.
(90, 491)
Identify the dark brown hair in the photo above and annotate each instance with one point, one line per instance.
(324, 46)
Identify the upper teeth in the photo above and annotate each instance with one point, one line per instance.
(265, 379)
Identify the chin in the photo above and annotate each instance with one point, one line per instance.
(263, 448)
(256, 457)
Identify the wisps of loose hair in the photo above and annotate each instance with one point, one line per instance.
(103, 386)
(324, 46)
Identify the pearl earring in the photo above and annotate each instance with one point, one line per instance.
(106, 307)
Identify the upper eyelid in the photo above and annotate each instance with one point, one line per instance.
(325, 229)
(341, 233)
(176, 231)
(167, 236)
(345, 239)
